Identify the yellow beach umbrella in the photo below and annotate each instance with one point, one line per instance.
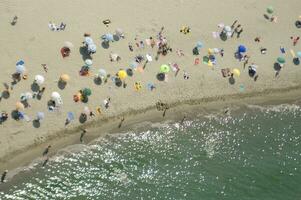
(19, 106)
(122, 74)
(236, 72)
(210, 51)
(65, 77)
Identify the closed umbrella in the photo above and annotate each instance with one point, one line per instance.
(19, 106)
(40, 116)
(102, 73)
(164, 68)
(122, 74)
(64, 77)
(55, 96)
(236, 72)
(281, 60)
(68, 44)
(86, 92)
(88, 62)
(242, 49)
(88, 40)
(39, 79)
(20, 69)
(270, 9)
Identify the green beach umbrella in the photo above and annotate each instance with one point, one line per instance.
(87, 92)
(281, 60)
(164, 68)
(270, 9)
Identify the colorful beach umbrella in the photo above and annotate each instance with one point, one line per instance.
(164, 68)
(86, 92)
(281, 60)
(19, 106)
(122, 74)
(236, 72)
(20, 69)
(39, 79)
(88, 62)
(270, 9)
(64, 77)
(242, 49)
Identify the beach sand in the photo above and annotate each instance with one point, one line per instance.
(32, 41)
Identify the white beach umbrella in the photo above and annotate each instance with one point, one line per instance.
(55, 96)
(119, 32)
(102, 73)
(149, 58)
(20, 69)
(68, 44)
(39, 79)
(228, 28)
(86, 110)
(88, 62)
(88, 40)
(92, 47)
(40, 116)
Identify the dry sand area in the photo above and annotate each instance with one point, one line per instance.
(32, 41)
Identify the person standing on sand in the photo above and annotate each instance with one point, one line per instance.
(83, 133)
(3, 176)
(45, 162)
(295, 40)
(121, 121)
(46, 150)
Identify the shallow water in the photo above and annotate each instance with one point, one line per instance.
(254, 154)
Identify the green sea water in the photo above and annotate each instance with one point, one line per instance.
(252, 154)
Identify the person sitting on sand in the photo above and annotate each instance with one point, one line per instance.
(62, 26)
(3, 116)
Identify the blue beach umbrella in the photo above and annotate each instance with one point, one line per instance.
(199, 45)
(70, 116)
(108, 37)
(242, 49)
(40, 115)
(299, 54)
(20, 69)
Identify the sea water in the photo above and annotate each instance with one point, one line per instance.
(253, 154)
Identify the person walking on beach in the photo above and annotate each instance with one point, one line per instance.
(3, 176)
(46, 150)
(106, 102)
(239, 32)
(83, 133)
(295, 40)
(121, 121)
(45, 162)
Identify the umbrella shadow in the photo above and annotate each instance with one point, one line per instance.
(5, 94)
(161, 76)
(118, 82)
(82, 119)
(231, 80)
(116, 37)
(36, 123)
(97, 81)
(85, 99)
(35, 87)
(277, 66)
(105, 44)
(50, 103)
(61, 85)
(25, 103)
(129, 72)
(15, 115)
(84, 52)
(296, 61)
(223, 36)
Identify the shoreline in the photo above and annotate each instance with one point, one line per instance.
(109, 125)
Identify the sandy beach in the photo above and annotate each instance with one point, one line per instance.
(31, 40)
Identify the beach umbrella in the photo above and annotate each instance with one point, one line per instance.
(164, 68)
(88, 40)
(228, 28)
(86, 92)
(270, 9)
(55, 96)
(215, 50)
(19, 106)
(64, 77)
(102, 73)
(40, 116)
(210, 51)
(88, 62)
(134, 65)
(114, 57)
(299, 54)
(70, 116)
(199, 44)
(236, 72)
(25, 96)
(92, 47)
(108, 37)
(149, 58)
(68, 44)
(119, 32)
(20, 69)
(39, 79)
(281, 60)
(86, 110)
(122, 74)
(242, 49)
